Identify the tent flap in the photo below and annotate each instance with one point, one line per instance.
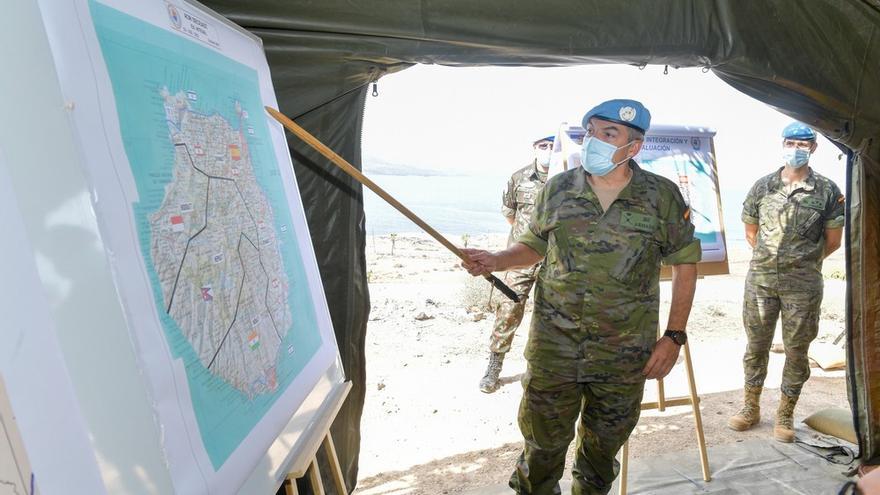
(334, 211)
(863, 314)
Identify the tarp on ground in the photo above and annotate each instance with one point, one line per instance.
(818, 467)
(815, 61)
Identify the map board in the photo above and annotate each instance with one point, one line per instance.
(16, 476)
(207, 251)
(684, 155)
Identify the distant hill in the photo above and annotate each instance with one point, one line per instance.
(373, 166)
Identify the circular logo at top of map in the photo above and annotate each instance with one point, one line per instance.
(627, 113)
(174, 15)
(696, 143)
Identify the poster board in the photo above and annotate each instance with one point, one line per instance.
(684, 155)
(185, 299)
(16, 475)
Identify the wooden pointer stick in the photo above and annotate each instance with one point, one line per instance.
(363, 179)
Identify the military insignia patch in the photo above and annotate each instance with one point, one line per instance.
(627, 114)
(638, 221)
(812, 202)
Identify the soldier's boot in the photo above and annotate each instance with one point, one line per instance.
(750, 414)
(490, 382)
(783, 430)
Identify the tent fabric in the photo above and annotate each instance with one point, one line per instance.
(816, 62)
(334, 212)
(863, 314)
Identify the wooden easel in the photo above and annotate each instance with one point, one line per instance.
(306, 462)
(692, 400)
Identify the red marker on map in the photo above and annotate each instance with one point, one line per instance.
(177, 223)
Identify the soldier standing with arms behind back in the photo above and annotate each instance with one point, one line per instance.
(603, 230)
(793, 219)
(518, 204)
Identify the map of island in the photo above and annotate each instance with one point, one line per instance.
(236, 343)
(216, 252)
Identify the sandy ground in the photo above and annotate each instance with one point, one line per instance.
(426, 426)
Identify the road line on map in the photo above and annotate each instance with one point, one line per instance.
(237, 302)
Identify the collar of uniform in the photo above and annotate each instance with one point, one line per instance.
(537, 173)
(634, 189)
(776, 183)
(810, 181)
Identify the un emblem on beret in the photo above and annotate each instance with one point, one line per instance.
(627, 114)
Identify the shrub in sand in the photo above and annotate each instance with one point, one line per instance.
(475, 295)
(393, 238)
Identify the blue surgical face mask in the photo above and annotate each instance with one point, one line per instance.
(795, 157)
(597, 156)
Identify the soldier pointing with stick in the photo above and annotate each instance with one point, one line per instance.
(602, 232)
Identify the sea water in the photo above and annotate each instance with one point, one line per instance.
(463, 204)
(453, 205)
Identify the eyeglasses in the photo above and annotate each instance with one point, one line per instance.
(544, 146)
(801, 145)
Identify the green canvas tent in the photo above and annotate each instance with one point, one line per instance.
(815, 61)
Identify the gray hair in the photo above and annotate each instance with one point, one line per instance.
(635, 134)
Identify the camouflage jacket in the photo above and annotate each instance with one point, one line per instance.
(791, 230)
(597, 295)
(518, 200)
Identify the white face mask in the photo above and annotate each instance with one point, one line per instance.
(542, 157)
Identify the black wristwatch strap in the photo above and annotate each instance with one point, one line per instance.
(677, 336)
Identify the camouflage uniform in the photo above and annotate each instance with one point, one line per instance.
(785, 274)
(595, 322)
(518, 202)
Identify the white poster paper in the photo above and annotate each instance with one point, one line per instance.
(200, 215)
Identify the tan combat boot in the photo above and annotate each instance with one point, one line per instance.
(783, 430)
(490, 382)
(750, 414)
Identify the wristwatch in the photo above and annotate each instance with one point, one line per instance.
(677, 336)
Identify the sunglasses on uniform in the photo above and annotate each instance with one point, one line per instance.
(801, 145)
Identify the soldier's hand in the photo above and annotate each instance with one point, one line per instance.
(870, 483)
(662, 359)
(482, 262)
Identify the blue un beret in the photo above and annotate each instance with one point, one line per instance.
(798, 131)
(548, 138)
(630, 113)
